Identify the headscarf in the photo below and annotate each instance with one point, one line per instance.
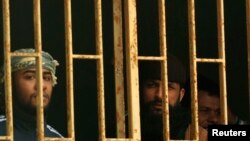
(26, 62)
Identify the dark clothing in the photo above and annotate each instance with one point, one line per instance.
(25, 127)
(152, 128)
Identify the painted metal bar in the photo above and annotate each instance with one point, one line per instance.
(193, 68)
(7, 70)
(80, 56)
(100, 70)
(69, 70)
(132, 69)
(164, 72)
(118, 66)
(222, 66)
(151, 58)
(209, 60)
(38, 47)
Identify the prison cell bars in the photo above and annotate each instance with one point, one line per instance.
(7, 71)
(248, 45)
(132, 68)
(118, 67)
(163, 59)
(194, 60)
(7, 61)
(99, 57)
(69, 70)
(69, 67)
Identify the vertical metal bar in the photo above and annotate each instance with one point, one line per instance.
(132, 69)
(118, 66)
(222, 66)
(69, 69)
(100, 69)
(248, 45)
(193, 68)
(163, 51)
(7, 70)
(38, 47)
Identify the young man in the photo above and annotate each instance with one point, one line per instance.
(24, 88)
(151, 102)
(208, 102)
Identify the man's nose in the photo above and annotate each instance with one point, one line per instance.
(43, 86)
(158, 93)
(213, 117)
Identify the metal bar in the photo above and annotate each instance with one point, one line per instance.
(117, 139)
(6, 138)
(7, 70)
(69, 70)
(100, 70)
(222, 66)
(80, 56)
(132, 69)
(164, 73)
(38, 47)
(118, 66)
(193, 68)
(208, 60)
(151, 58)
(57, 139)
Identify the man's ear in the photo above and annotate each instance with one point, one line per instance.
(182, 93)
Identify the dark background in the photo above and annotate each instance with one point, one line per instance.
(53, 41)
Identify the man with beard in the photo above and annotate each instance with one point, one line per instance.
(151, 95)
(24, 89)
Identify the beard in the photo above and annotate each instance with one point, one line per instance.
(152, 127)
(26, 108)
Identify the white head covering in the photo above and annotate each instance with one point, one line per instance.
(24, 62)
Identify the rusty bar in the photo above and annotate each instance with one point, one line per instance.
(80, 56)
(164, 73)
(118, 66)
(4, 138)
(69, 70)
(209, 60)
(193, 68)
(38, 47)
(57, 139)
(150, 58)
(132, 69)
(116, 139)
(7, 70)
(248, 46)
(222, 66)
(100, 70)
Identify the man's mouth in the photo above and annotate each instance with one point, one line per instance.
(157, 108)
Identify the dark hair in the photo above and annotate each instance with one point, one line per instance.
(203, 83)
(150, 70)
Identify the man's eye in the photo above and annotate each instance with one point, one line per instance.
(47, 78)
(152, 84)
(204, 110)
(170, 87)
(30, 77)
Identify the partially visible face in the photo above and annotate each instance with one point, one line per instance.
(152, 95)
(208, 109)
(26, 87)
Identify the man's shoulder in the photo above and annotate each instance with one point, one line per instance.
(2, 119)
(2, 125)
(52, 132)
(202, 133)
